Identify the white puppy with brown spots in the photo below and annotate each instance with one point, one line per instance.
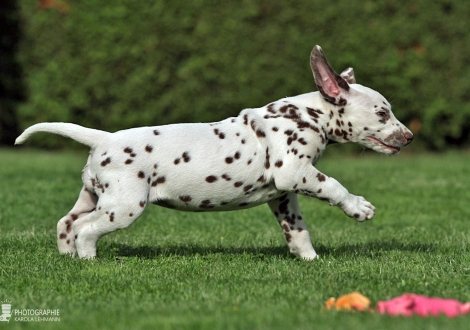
(265, 155)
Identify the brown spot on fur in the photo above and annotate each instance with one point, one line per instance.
(159, 180)
(63, 236)
(285, 228)
(288, 237)
(148, 148)
(278, 163)
(246, 188)
(206, 204)
(106, 162)
(155, 132)
(127, 162)
(68, 229)
(185, 198)
(321, 177)
(142, 204)
(238, 184)
(237, 155)
(283, 206)
(141, 174)
(229, 160)
(211, 178)
(267, 164)
(271, 108)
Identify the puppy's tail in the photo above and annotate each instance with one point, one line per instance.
(87, 136)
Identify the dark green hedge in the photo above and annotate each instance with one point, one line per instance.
(124, 63)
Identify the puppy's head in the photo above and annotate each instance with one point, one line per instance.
(366, 115)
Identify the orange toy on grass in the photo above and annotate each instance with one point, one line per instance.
(349, 302)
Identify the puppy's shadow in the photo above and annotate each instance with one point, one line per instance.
(368, 249)
(153, 252)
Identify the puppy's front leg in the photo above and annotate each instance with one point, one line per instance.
(287, 211)
(308, 181)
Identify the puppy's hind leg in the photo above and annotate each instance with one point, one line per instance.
(85, 204)
(111, 214)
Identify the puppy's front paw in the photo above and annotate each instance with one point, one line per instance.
(358, 208)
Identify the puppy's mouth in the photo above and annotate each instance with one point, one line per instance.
(386, 147)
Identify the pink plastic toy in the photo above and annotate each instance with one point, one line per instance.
(411, 304)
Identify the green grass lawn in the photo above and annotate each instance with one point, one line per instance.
(176, 270)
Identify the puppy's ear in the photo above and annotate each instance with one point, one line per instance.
(348, 75)
(330, 84)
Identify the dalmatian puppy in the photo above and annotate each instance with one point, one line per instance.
(265, 155)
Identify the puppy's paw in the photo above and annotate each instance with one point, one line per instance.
(358, 207)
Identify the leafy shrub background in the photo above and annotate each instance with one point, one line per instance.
(117, 64)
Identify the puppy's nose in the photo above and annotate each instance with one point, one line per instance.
(409, 137)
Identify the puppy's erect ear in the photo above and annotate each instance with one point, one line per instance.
(348, 75)
(330, 84)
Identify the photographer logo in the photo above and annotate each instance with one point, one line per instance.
(6, 311)
(28, 315)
